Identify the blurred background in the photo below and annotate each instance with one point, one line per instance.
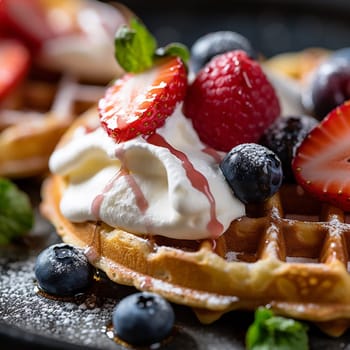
(272, 26)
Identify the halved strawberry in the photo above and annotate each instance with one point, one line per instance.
(137, 104)
(14, 64)
(322, 162)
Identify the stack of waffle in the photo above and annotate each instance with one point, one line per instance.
(289, 252)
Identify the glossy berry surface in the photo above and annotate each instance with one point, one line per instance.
(143, 319)
(231, 101)
(253, 171)
(329, 85)
(63, 270)
(322, 163)
(137, 104)
(284, 136)
(215, 43)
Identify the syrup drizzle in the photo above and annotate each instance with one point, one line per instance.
(97, 202)
(93, 251)
(141, 201)
(214, 154)
(197, 180)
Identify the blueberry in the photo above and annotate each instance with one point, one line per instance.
(63, 270)
(253, 171)
(143, 319)
(284, 136)
(215, 43)
(329, 84)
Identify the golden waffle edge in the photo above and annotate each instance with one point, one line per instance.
(35, 118)
(298, 64)
(290, 253)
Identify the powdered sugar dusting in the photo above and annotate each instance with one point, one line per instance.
(79, 324)
(84, 323)
(22, 306)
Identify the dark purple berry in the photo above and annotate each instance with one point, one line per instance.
(143, 319)
(63, 270)
(284, 136)
(215, 43)
(329, 85)
(253, 171)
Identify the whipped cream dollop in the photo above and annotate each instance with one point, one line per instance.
(169, 184)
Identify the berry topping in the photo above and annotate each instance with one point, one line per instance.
(231, 101)
(137, 104)
(253, 171)
(329, 84)
(27, 20)
(213, 44)
(322, 162)
(63, 270)
(284, 136)
(14, 64)
(143, 319)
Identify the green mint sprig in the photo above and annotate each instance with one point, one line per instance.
(270, 332)
(16, 213)
(136, 49)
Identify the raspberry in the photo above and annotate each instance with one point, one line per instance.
(231, 101)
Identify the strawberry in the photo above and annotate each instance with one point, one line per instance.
(322, 161)
(25, 20)
(14, 64)
(231, 101)
(139, 103)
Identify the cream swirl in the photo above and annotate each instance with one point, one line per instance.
(169, 184)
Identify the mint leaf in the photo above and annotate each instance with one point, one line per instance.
(270, 332)
(175, 49)
(135, 47)
(16, 214)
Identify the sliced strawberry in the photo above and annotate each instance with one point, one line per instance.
(14, 64)
(26, 20)
(138, 104)
(322, 162)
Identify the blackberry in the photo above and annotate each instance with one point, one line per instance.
(284, 136)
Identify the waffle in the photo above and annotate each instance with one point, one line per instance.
(297, 65)
(289, 253)
(34, 118)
